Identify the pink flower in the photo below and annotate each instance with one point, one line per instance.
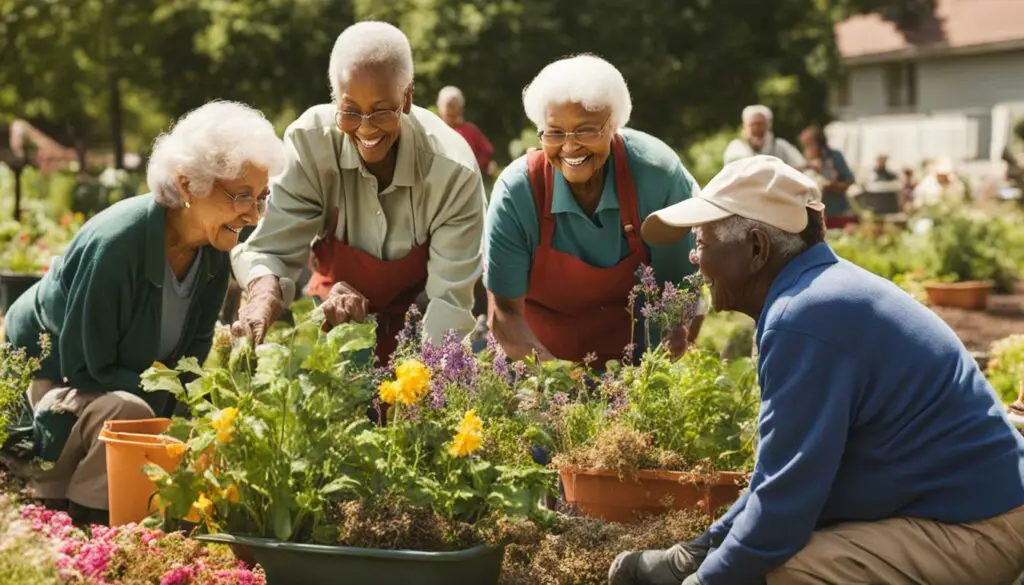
(178, 576)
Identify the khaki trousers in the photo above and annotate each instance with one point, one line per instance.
(80, 472)
(910, 551)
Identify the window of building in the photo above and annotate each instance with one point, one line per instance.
(901, 85)
(841, 91)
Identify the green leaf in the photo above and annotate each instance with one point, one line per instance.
(282, 522)
(155, 473)
(352, 337)
(190, 365)
(160, 377)
(342, 484)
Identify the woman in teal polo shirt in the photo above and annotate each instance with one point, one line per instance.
(562, 235)
(142, 281)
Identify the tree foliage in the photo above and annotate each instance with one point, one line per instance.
(691, 66)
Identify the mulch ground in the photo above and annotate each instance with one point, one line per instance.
(978, 329)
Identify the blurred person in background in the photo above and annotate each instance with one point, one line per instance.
(881, 172)
(827, 166)
(757, 138)
(390, 197)
(142, 282)
(450, 105)
(941, 184)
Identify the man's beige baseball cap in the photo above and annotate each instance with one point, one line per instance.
(761, 188)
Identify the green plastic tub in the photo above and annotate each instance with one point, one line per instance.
(289, 563)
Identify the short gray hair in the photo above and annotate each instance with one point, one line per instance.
(370, 43)
(450, 92)
(735, 227)
(216, 141)
(757, 110)
(584, 79)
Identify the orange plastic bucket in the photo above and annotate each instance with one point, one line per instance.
(142, 426)
(129, 490)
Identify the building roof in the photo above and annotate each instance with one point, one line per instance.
(956, 26)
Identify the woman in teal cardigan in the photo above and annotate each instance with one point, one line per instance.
(143, 281)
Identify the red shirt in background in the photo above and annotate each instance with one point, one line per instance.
(478, 142)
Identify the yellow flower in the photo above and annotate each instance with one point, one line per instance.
(469, 436)
(230, 494)
(175, 450)
(223, 422)
(389, 391)
(413, 381)
(203, 504)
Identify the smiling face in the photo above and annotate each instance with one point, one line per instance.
(726, 267)
(583, 154)
(372, 91)
(230, 206)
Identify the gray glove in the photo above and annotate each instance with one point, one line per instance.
(659, 567)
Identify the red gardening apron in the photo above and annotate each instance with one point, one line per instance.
(572, 307)
(391, 286)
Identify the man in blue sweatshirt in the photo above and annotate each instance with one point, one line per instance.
(884, 455)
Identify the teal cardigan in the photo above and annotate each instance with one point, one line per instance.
(101, 303)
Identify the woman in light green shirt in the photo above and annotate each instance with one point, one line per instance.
(390, 196)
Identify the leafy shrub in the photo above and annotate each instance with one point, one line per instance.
(1005, 369)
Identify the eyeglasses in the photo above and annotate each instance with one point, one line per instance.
(586, 136)
(245, 203)
(386, 120)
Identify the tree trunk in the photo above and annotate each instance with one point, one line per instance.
(17, 191)
(116, 122)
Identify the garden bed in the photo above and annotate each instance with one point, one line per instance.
(978, 329)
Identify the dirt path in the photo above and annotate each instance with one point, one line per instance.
(978, 329)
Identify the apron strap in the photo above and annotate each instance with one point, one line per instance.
(629, 205)
(541, 181)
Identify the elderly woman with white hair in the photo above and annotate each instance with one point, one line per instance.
(451, 104)
(389, 194)
(562, 238)
(143, 281)
(757, 138)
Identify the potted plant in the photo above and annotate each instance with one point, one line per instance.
(657, 435)
(283, 464)
(16, 370)
(970, 254)
(27, 249)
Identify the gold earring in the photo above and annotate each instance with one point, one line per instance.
(188, 205)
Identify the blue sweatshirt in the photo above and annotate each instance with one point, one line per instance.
(871, 408)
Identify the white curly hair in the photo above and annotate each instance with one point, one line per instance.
(218, 140)
(584, 79)
(735, 227)
(757, 110)
(370, 43)
(450, 92)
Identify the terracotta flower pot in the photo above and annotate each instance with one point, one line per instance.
(601, 494)
(971, 294)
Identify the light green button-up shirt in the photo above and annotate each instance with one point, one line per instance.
(437, 195)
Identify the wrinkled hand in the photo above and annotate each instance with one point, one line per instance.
(659, 567)
(263, 306)
(344, 304)
(676, 340)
